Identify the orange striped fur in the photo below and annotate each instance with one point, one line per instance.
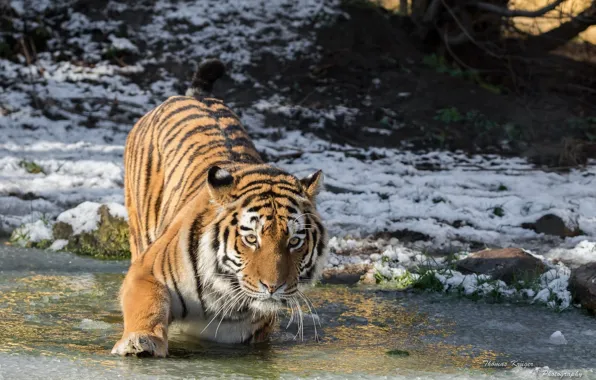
(220, 240)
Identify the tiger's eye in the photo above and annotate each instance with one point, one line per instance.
(294, 241)
(250, 239)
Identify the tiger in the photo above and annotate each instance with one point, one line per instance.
(220, 240)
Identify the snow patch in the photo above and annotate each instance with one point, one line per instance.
(85, 217)
(119, 43)
(557, 338)
(584, 252)
(32, 232)
(58, 245)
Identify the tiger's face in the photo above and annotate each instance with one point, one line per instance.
(268, 241)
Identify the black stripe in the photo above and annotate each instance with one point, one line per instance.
(246, 158)
(193, 247)
(267, 170)
(197, 183)
(172, 113)
(260, 184)
(156, 209)
(209, 101)
(175, 128)
(265, 182)
(320, 248)
(317, 245)
(199, 149)
(147, 191)
(215, 240)
(163, 263)
(278, 196)
(226, 236)
(192, 132)
(184, 308)
(254, 209)
(223, 113)
(249, 199)
(230, 128)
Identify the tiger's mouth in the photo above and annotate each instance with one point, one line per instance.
(273, 298)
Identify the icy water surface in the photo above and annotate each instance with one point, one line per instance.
(59, 318)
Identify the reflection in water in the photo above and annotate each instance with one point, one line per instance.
(77, 316)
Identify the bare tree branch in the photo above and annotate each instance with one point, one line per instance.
(562, 34)
(515, 12)
(432, 11)
(467, 32)
(403, 7)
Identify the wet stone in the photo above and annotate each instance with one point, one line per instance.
(349, 275)
(508, 265)
(551, 224)
(583, 285)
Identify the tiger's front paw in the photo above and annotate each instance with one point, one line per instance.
(141, 345)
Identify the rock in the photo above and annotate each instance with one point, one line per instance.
(96, 230)
(368, 278)
(551, 224)
(92, 229)
(508, 264)
(583, 285)
(557, 338)
(349, 275)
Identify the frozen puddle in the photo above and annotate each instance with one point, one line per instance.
(60, 317)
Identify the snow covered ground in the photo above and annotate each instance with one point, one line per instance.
(70, 111)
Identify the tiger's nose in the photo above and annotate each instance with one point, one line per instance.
(271, 287)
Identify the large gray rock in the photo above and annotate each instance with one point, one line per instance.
(508, 264)
(583, 285)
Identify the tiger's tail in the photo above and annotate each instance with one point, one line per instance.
(208, 72)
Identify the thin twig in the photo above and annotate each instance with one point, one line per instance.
(515, 12)
(467, 33)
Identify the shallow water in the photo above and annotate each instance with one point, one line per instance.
(59, 318)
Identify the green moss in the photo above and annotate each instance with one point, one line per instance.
(31, 167)
(22, 239)
(440, 65)
(498, 211)
(449, 115)
(19, 237)
(398, 353)
(428, 281)
(62, 231)
(108, 241)
(379, 277)
(42, 244)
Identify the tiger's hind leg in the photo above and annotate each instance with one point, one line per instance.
(146, 309)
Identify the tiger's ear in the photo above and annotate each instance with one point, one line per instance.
(220, 182)
(312, 184)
